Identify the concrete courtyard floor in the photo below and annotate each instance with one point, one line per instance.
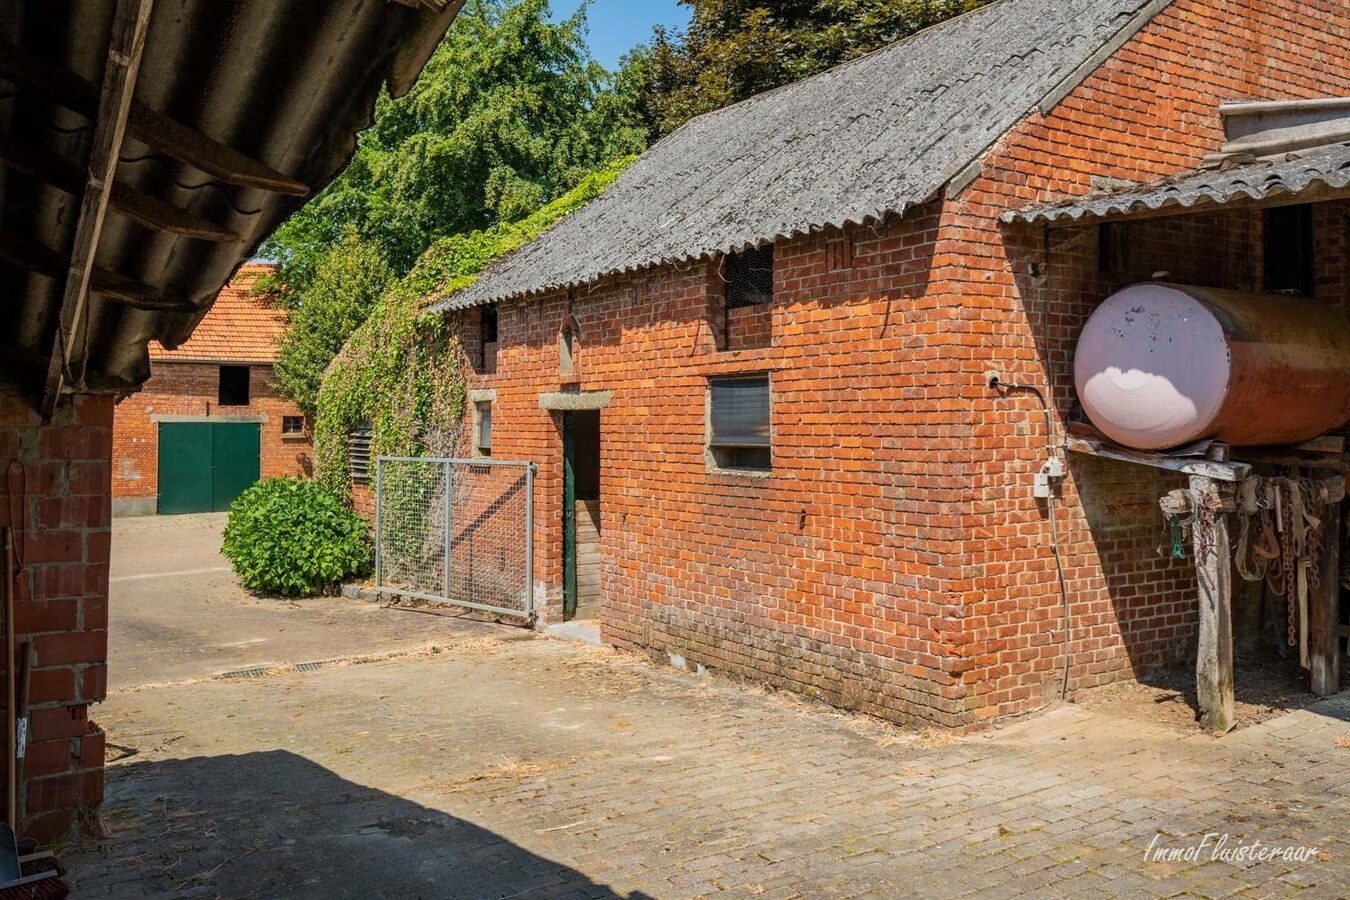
(502, 765)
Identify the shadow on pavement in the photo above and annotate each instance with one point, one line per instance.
(275, 824)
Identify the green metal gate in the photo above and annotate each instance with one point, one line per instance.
(204, 466)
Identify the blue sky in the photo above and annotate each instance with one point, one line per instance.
(616, 25)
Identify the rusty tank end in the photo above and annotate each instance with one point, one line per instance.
(1160, 365)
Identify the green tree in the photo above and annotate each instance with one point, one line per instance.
(348, 280)
(510, 113)
(735, 49)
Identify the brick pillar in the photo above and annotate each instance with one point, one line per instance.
(55, 493)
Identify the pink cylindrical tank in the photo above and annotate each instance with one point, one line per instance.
(1159, 365)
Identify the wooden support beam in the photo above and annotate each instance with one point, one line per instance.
(130, 23)
(134, 204)
(1220, 471)
(1325, 609)
(29, 254)
(1214, 575)
(145, 124)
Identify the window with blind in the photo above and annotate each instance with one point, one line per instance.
(739, 434)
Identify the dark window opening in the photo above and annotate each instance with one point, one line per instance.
(488, 338)
(292, 424)
(358, 454)
(739, 433)
(484, 442)
(1113, 248)
(747, 317)
(233, 386)
(749, 277)
(1288, 234)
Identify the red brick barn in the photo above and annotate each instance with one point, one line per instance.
(209, 422)
(146, 150)
(763, 358)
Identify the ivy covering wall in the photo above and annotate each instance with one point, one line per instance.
(401, 372)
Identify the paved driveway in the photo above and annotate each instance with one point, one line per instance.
(535, 768)
(177, 613)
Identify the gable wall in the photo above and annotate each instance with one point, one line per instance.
(1151, 110)
(193, 389)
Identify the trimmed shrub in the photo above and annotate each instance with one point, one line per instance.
(293, 537)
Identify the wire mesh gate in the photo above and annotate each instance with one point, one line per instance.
(456, 531)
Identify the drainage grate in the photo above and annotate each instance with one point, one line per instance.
(260, 671)
(255, 672)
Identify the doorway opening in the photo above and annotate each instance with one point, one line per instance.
(581, 514)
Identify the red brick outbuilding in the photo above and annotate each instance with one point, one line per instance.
(776, 332)
(220, 377)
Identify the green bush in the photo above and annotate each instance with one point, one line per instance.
(293, 537)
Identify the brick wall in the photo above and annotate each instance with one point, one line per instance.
(1148, 111)
(826, 576)
(192, 389)
(54, 493)
(895, 561)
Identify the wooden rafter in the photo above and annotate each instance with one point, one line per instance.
(151, 128)
(28, 254)
(130, 24)
(134, 204)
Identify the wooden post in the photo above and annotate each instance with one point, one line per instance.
(1324, 609)
(1214, 574)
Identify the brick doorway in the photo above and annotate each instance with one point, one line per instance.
(581, 514)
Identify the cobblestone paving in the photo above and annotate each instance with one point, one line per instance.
(543, 769)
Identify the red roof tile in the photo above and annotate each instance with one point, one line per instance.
(241, 326)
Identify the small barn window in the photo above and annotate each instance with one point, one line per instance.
(1288, 234)
(358, 454)
(749, 277)
(483, 431)
(739, 435)
(292, 425)
(233, 386)
(488, 339)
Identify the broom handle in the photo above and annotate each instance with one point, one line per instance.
(11, 718)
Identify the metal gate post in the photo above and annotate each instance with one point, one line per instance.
(529, 540)
(447, 530)
(379, 508)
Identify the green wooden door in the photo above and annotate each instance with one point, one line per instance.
(184, 467)
(204, 466)
(236, 452)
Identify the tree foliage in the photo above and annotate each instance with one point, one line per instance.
(507, 115)
(348, 281)
(735, 49)
(510, 113)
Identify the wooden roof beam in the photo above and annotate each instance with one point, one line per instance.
(146, 125)
(34, 257)
(128, 201)
(130, 23)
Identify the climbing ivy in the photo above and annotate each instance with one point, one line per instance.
(401, 371)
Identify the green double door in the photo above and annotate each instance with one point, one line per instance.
(204, 466)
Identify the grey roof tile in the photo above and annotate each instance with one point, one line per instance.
(869, 138)
(1291, 176)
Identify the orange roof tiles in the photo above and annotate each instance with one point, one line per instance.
(241, 326)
